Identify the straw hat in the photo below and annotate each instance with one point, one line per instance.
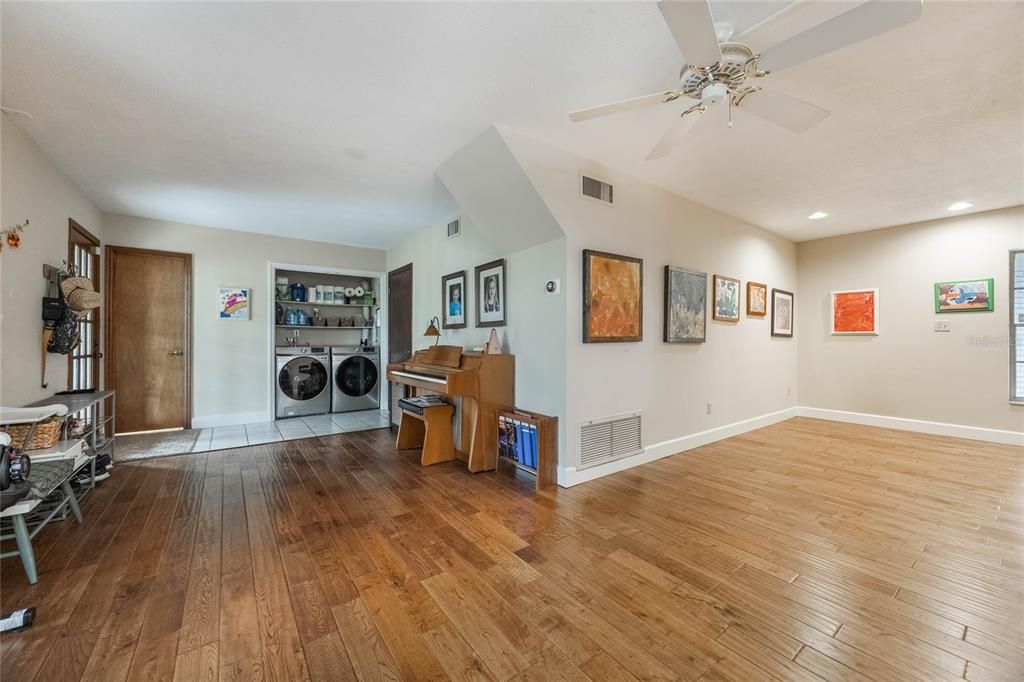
(79, 294)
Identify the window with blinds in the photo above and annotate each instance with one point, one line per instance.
(83, 361)
(1017, 326)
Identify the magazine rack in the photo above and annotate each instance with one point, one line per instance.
(529, 440)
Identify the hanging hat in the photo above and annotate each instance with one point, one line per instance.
(79, 294)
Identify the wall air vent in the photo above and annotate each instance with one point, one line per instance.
(455, 228)
(609, 439)
(596, 189)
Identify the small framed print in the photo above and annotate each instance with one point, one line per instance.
(782, 313)
(757, 299)
(453, 300)
(726, 299)
(855, 312)
(490, 300)
(233, 303)
(965, 295)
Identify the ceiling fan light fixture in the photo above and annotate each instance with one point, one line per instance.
(817, 215)
(959, 205)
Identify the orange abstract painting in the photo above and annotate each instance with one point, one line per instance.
(613, 295)
(855, 312)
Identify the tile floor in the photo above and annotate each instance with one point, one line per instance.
(221, 437)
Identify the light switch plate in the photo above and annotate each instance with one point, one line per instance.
(942, 326)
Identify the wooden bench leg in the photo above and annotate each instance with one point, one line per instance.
(72, 500)
(28, 559)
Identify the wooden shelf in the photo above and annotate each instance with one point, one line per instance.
(329, 305)
(547, 445)
(319, 326)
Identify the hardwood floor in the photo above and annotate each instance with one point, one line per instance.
(807, 550)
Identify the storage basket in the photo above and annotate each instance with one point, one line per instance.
(45, 435)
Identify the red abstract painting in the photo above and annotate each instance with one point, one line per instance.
(853, 312)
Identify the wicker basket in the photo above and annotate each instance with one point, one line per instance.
(45, 435)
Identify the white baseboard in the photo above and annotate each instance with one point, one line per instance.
(232, 419)
(570, 476)
(916, 425)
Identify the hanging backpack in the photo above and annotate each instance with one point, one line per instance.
(65, 335)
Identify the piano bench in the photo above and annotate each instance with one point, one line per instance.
(431, 431)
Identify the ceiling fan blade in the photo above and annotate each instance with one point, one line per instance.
(860, 23)
(621, 105)
(673, 136)
(694, 30)
(782, 110)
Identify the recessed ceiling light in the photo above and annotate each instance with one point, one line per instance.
(959, 206)
(818, 215)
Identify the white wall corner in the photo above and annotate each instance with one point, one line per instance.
(570, 476)
(916, 425)
(232, 419)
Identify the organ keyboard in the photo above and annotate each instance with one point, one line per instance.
(483, 382)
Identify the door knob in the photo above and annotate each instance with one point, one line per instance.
(177, 352)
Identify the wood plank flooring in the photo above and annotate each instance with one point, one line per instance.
(807, 550)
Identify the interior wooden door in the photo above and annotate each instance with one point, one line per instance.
(149, 354)
(399, 326)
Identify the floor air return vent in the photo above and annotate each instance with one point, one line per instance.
(608, 439)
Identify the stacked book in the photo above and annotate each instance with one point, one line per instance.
(420, 403)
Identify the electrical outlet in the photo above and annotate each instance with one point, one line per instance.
(942, 326)
(709, 407)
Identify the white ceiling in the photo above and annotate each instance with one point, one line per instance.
(327, 121)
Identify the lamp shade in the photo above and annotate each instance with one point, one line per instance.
(432, 329)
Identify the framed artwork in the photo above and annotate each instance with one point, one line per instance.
(233, 303)
(686, 305)
(757, 299)
(855, 312)
(782, 313)
(490, 299)
(453, 300)
(965, 295)
(613, 294)
(727, 299)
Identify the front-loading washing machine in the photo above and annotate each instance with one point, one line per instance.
(355, 379)
(303, 380)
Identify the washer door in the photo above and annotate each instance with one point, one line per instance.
(303, 379)
(355, 376)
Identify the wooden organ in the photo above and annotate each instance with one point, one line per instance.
(484, 383)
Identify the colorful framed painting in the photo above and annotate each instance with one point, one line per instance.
(855, 312)
(686, 305)
(965, 295)
(453, 300)
(727, 299)
(613, 294)
(233, 303)
(491, 287)
(757, 299)
(782, 313)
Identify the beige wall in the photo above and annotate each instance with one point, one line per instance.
(535, 331)
(231, 368)
(909, 370)
(32, 188)
(741, 369)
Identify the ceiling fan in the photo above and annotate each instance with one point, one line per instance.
(718, 69)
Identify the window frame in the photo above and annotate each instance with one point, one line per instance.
(90, 329)
(1016, 324)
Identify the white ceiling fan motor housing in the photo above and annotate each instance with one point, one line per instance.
(713, 94)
